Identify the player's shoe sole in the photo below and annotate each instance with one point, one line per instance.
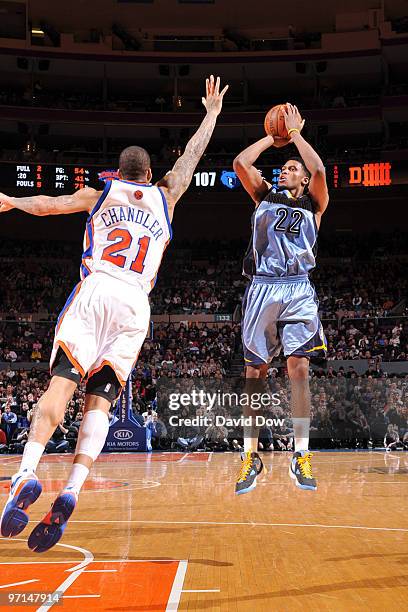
(297, 483)
(22, 494)
(49, 531)
(251, 487)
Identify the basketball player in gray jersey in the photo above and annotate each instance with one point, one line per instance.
(280, 308)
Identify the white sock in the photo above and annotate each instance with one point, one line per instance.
(31, 456)
(250, 444)
(77, 477)
(92, 433)
(301, 428)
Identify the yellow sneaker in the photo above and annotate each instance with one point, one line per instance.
(300, 470)
(251, 467)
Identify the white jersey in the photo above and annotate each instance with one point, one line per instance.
(127, 233)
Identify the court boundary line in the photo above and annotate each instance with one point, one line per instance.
(94, 561)
(174, 596)
(177, 588)
(79, 597)
(74, 573)
(244, 524)
(128, 485)
(351, 483)
(201, 591)
(5, 586)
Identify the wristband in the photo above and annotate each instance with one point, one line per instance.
(293, 130)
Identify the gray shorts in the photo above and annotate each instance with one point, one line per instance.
(281, 312)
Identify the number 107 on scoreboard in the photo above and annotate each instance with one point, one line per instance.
(205, 179)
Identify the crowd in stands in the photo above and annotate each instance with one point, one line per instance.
(362, 304)
(20, 391)
(200, 288)
(191, 349)
(348, 410)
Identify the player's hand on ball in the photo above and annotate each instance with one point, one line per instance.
(293, 119)
(5, 203)
(213, 98)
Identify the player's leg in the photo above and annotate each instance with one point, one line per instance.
(255, 376)
(101, 391)
(300, 467)
(260, 343)
(298, 372)
(302, 337)
(109, 345)
(25, 487)
(260, 309)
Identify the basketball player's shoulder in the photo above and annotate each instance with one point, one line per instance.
(90, 192)
(88, 196)
(270, 195)
(307, 203)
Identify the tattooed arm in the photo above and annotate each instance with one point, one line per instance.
(176, 182)
(41, 205)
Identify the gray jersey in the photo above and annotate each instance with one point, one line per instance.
(284, 235)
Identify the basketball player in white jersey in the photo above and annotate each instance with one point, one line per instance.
(105, 320)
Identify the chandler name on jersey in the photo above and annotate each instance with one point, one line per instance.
(127, 233)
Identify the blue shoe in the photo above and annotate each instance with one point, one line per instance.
(251, 467)
(47, 533)
(300, 470)
(25, 489)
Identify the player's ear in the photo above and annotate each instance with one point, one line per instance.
(120, 174)
(149, 175)
(305, 181)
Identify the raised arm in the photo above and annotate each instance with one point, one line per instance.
(250, 177)
(177, 181)
(317, 185)
(41, 205)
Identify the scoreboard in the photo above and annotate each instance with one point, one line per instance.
(26, 178)
(48, 177)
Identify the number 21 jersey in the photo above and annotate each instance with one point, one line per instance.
(127, 232)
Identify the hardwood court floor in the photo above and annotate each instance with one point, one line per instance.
(166, 532)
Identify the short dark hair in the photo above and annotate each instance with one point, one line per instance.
(133, 162)
(300, 160)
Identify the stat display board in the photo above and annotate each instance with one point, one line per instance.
(29, 178)
(43, 177)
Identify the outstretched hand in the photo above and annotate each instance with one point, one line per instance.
(293, 119)
(5, 203)
(213, 98)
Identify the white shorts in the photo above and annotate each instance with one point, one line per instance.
(104, 322)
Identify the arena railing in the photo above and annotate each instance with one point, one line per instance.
(32, 318)
(232, 117)
(398, 368)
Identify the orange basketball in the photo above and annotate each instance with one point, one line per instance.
(275, 125)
